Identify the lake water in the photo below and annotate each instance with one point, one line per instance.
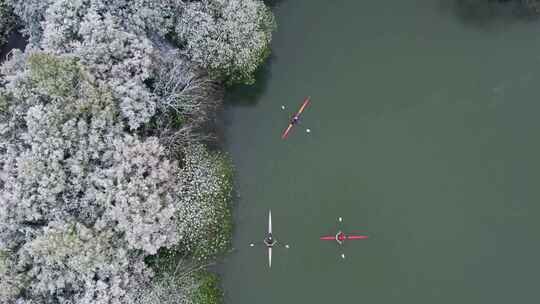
(425, 127)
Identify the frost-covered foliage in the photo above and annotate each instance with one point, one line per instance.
(11, 282)
(72, 182)
(6, 21)
(135, 15)
(61, 27)
(230, 37)
(185, 89)
(70, 263)
(178, 280)
(142, 16)
(206, 190)
(123, 60)
(187, 101)
(170, 288)
(101, 160)
(93, 31)
(66, 156)
(114, 56)
(139, 192)
(67, 163)
(31, 13)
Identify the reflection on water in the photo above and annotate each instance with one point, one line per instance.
(248, 95)
(489, 14)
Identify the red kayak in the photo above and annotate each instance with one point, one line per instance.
(340, 237)
(295, 118)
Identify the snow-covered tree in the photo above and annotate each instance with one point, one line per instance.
(11, 280)
(114, 56)
(139, 194)
(32, 14)
(70, 263)
(169, 288)
(228, 37)
(72, 182)
(187, 100)
(7, 21)
(205, 193)
(121, 59)
(62, 23)
(66, 162)
(144, 16)
(100, 163)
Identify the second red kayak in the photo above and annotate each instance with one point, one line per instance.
(349, 237)
(340, 236)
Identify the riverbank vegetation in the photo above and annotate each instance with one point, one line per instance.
(109, 192)
(7, 22)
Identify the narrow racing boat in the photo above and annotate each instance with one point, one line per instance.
(341, 237)
(295, 118)
(269, 240)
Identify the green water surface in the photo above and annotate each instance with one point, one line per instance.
(424, 133)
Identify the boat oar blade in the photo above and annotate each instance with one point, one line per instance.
(269, 257)
(270, 221)
(328, 238)
(286, 132)
(304, 105)
(357, 237)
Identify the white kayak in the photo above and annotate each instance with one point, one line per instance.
(269, 232)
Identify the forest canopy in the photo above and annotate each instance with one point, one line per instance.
(108, 190)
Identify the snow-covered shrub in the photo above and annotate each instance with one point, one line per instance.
(73, 182)
(169, 288)
(229, 37)
(180, 280)
(100, 165)
(71, 178)
(114, 56)
(32, 14)
(11, 281)
(206, 192)
(187, 100)
(139, 194)
(70, 263)
(62, 23)
(184, 89)
(144, 16)
(6, 21)
(73, 158)
(121, 59)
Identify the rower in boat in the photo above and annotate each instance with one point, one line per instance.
(295, 119)
(340, 237)
(269, 241)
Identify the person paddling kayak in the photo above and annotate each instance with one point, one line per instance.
(340, 237)
(294, 120)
